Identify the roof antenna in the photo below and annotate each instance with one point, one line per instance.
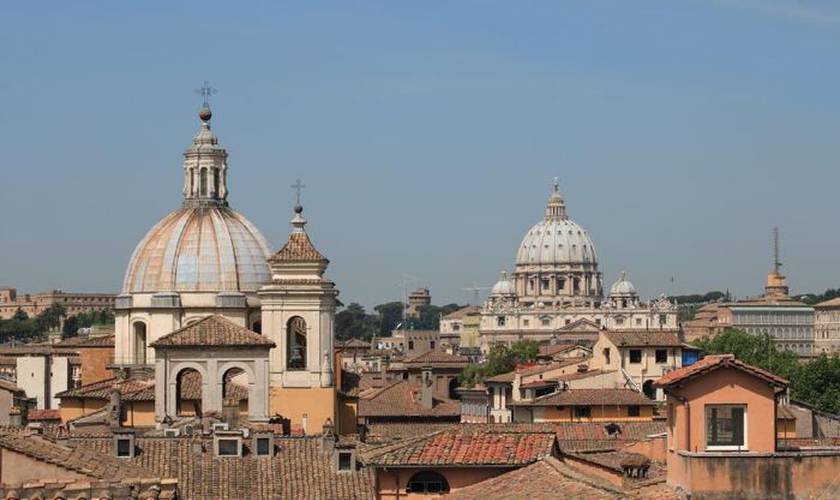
(776, 264)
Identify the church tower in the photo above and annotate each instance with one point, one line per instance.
(298, 311)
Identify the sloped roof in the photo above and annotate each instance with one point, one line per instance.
(83, 461)
(643, 339)
(835, 302)
(463, 312)
(43, 415)
(465, 447)
(402, 399)
(548, 350)
(438, 358)
(215, 331)
(100, 341)
(297, 470)
(8, 385)
(355, 343)
(502, 378)
(714, 362)
(546, 479)
(588, 397)
(298, 248)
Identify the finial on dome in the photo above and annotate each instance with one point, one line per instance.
(556, 184)
(205, 91)
(556, 209)
(205, 114)
(298, 221)
(622, 276)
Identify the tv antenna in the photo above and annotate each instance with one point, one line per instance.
(476, 290)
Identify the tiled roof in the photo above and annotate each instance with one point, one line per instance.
(784, 412)
(298, 248)
(402, 399)
(465, 447)
(88, 462)
(835, 302)
(297, 470)
(546, 479)
(401, 430)
(356, 343)
(143, 389)
(553, 350)
(589, 397)
(536, 369)
(643, 339)
(42, 415)
(214, 331)
(101, 341)
(463, 312)
(714, 362)
(582, 375)
(437, 358)
(504, 378)
(8, 385)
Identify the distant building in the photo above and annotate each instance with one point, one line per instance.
(34, 304)
(463, 324)
(827, 326)
(556, 284)
(417, 300)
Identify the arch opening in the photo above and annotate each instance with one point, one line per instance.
(235, 390)
(427, 482)
(296, 344)
(140, 344)
(188, 395)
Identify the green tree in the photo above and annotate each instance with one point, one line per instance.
(500, 359)
(354, 322)
(756, 350)
(390, 315)
(818, 383)
(20, 315)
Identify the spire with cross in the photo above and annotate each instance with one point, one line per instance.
(298, 186)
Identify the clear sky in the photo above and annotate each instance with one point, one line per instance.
(428, 132)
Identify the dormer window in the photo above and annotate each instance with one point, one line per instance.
(124, 444)
(344, 461)
(263, 444)
(228, 443)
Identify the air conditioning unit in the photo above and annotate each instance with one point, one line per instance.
(171, 433)
(220, 426)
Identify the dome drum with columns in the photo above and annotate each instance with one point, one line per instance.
(202, 258)
(556, 287)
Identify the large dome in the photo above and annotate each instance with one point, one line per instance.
(556, 242)
(204, 248)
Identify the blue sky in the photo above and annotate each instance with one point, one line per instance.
(428, 134)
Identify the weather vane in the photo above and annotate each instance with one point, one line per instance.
(298, 186)
(206, 91)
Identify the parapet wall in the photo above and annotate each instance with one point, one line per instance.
(794, 474)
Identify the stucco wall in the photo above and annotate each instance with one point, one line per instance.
(318, 404)
(610, 413)
(94, 363)
(756, 476)
(457, 477)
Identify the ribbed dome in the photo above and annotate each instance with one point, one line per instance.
(207, 248)
(556, 239)
(504, 286)
(622, 287)
(556, 242)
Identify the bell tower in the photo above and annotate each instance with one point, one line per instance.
(298, 311)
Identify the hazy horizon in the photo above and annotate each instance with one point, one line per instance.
(428, 135)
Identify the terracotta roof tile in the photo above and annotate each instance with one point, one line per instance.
(463, 447)
(43, 415)
(213, 331)
(298, 248)
(546, 479)
(402, 399)
(589, 397)
(714, 362)
(100, 341)
(643, 338)
(298, 469)
(90, 463)
(463, 312)
(437, 358)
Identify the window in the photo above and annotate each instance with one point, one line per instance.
(619, 321)
(410, 345)
(345, 460)
(607, 354)
(638, 321)
(456, 327)
(124, 448)
(661, 355)
(583, 412)
(663, 319)
(635, 356)
(725, 427)
(633, 411)
(203, 182)
(546, 322)
(296, 344)
(263, 446)
(431, 344)
(545, 283)
(427, 482)
(526, 322)
(228, 447)
(500, 321)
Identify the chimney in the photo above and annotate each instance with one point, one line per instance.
(230, 412)
(115, 408)
(426, 388)
(328, 437)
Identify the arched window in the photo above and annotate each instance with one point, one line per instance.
(649, 390)
(215, 182)
(427, 482)
(296, 344)
(202, 184)
(139, 343)
(256, 326)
